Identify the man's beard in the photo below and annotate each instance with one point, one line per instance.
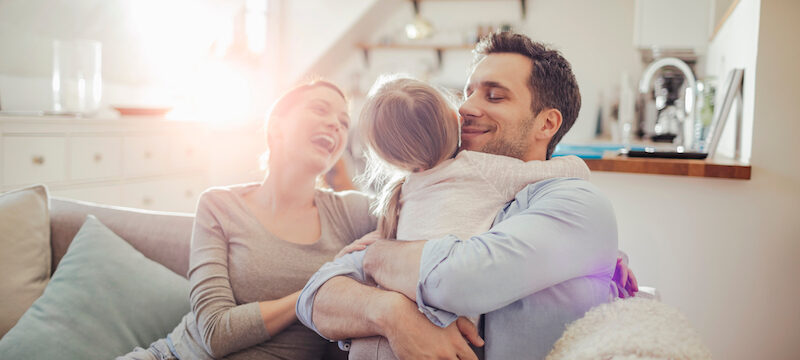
(513, 143)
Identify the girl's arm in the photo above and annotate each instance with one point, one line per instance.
(510, 175)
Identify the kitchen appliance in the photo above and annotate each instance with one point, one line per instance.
(668, 87)
(707, 147)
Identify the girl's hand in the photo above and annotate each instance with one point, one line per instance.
(359, 244)
(625, 279)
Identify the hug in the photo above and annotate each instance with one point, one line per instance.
(399, 179)
(496, 238)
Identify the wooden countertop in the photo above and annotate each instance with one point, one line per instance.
(714, 168)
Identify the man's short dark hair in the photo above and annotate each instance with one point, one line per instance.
(551, 82)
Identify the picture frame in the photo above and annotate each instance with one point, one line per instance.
(733, 93)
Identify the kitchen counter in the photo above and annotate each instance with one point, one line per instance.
(714, 168)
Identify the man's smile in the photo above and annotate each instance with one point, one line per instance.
(469, 132)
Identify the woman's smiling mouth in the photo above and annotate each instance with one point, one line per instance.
(324, 141)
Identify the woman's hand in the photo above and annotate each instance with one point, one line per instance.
(280, 313)
(359, 244)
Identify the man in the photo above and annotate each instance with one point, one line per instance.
(548, 258)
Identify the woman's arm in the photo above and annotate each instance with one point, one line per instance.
(225, 326)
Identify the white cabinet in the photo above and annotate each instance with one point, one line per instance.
(143, 163)
(674, 24)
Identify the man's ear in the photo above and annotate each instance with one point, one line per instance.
(548, 122)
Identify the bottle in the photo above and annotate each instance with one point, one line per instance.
(626, 110)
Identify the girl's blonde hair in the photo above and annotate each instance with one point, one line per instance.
(408, 126)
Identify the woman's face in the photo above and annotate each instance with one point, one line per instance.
(314, 131)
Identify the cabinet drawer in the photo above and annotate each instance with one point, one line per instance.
(186, 192)
(179, 194)
(29, 160)
(149, 195)
(189, 152)
(145, 155)
(95, 157)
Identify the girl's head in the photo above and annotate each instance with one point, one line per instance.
(409, 124)
(307, 126)
(413, 127)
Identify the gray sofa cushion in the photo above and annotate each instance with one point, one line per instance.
(161, 236)
(104, 299)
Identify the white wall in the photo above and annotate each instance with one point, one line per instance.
(727, 252)
(596, 37)
(138, 51)
(309, 28)
(736, 46)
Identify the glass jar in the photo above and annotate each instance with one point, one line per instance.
(77, 79)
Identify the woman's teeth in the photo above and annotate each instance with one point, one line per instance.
(325, 141)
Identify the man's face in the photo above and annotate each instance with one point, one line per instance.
(497, 108)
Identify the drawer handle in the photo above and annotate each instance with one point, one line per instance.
(147, 201)
(38, 160)
(188, 194)
(148, 155)
(98, 157)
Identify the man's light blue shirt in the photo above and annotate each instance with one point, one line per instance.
(548, 258)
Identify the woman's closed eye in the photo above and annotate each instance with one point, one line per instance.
(319, 109)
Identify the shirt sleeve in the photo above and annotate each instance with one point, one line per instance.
(224, 326)
(348, 265)
(559, 230)
(510, 175)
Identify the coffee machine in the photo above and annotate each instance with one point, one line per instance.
(667, 97)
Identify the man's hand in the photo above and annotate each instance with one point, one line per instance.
(625, 279)
(412, 336)
(394, 265)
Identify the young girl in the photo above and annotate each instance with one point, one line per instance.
(412, 127)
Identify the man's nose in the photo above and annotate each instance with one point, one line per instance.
(469, 109)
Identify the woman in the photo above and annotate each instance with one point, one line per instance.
(254, 246)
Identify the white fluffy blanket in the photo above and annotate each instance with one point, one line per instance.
(634, 328)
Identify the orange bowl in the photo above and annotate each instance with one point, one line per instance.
(142, 111)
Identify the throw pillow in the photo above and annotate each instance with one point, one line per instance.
(25, 254)
(104, 299)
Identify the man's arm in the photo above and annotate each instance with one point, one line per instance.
(346, 269)
(337, 306)
(345, 308)
(561, 229)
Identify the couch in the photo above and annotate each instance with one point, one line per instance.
(649, 328)
(160, 236)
